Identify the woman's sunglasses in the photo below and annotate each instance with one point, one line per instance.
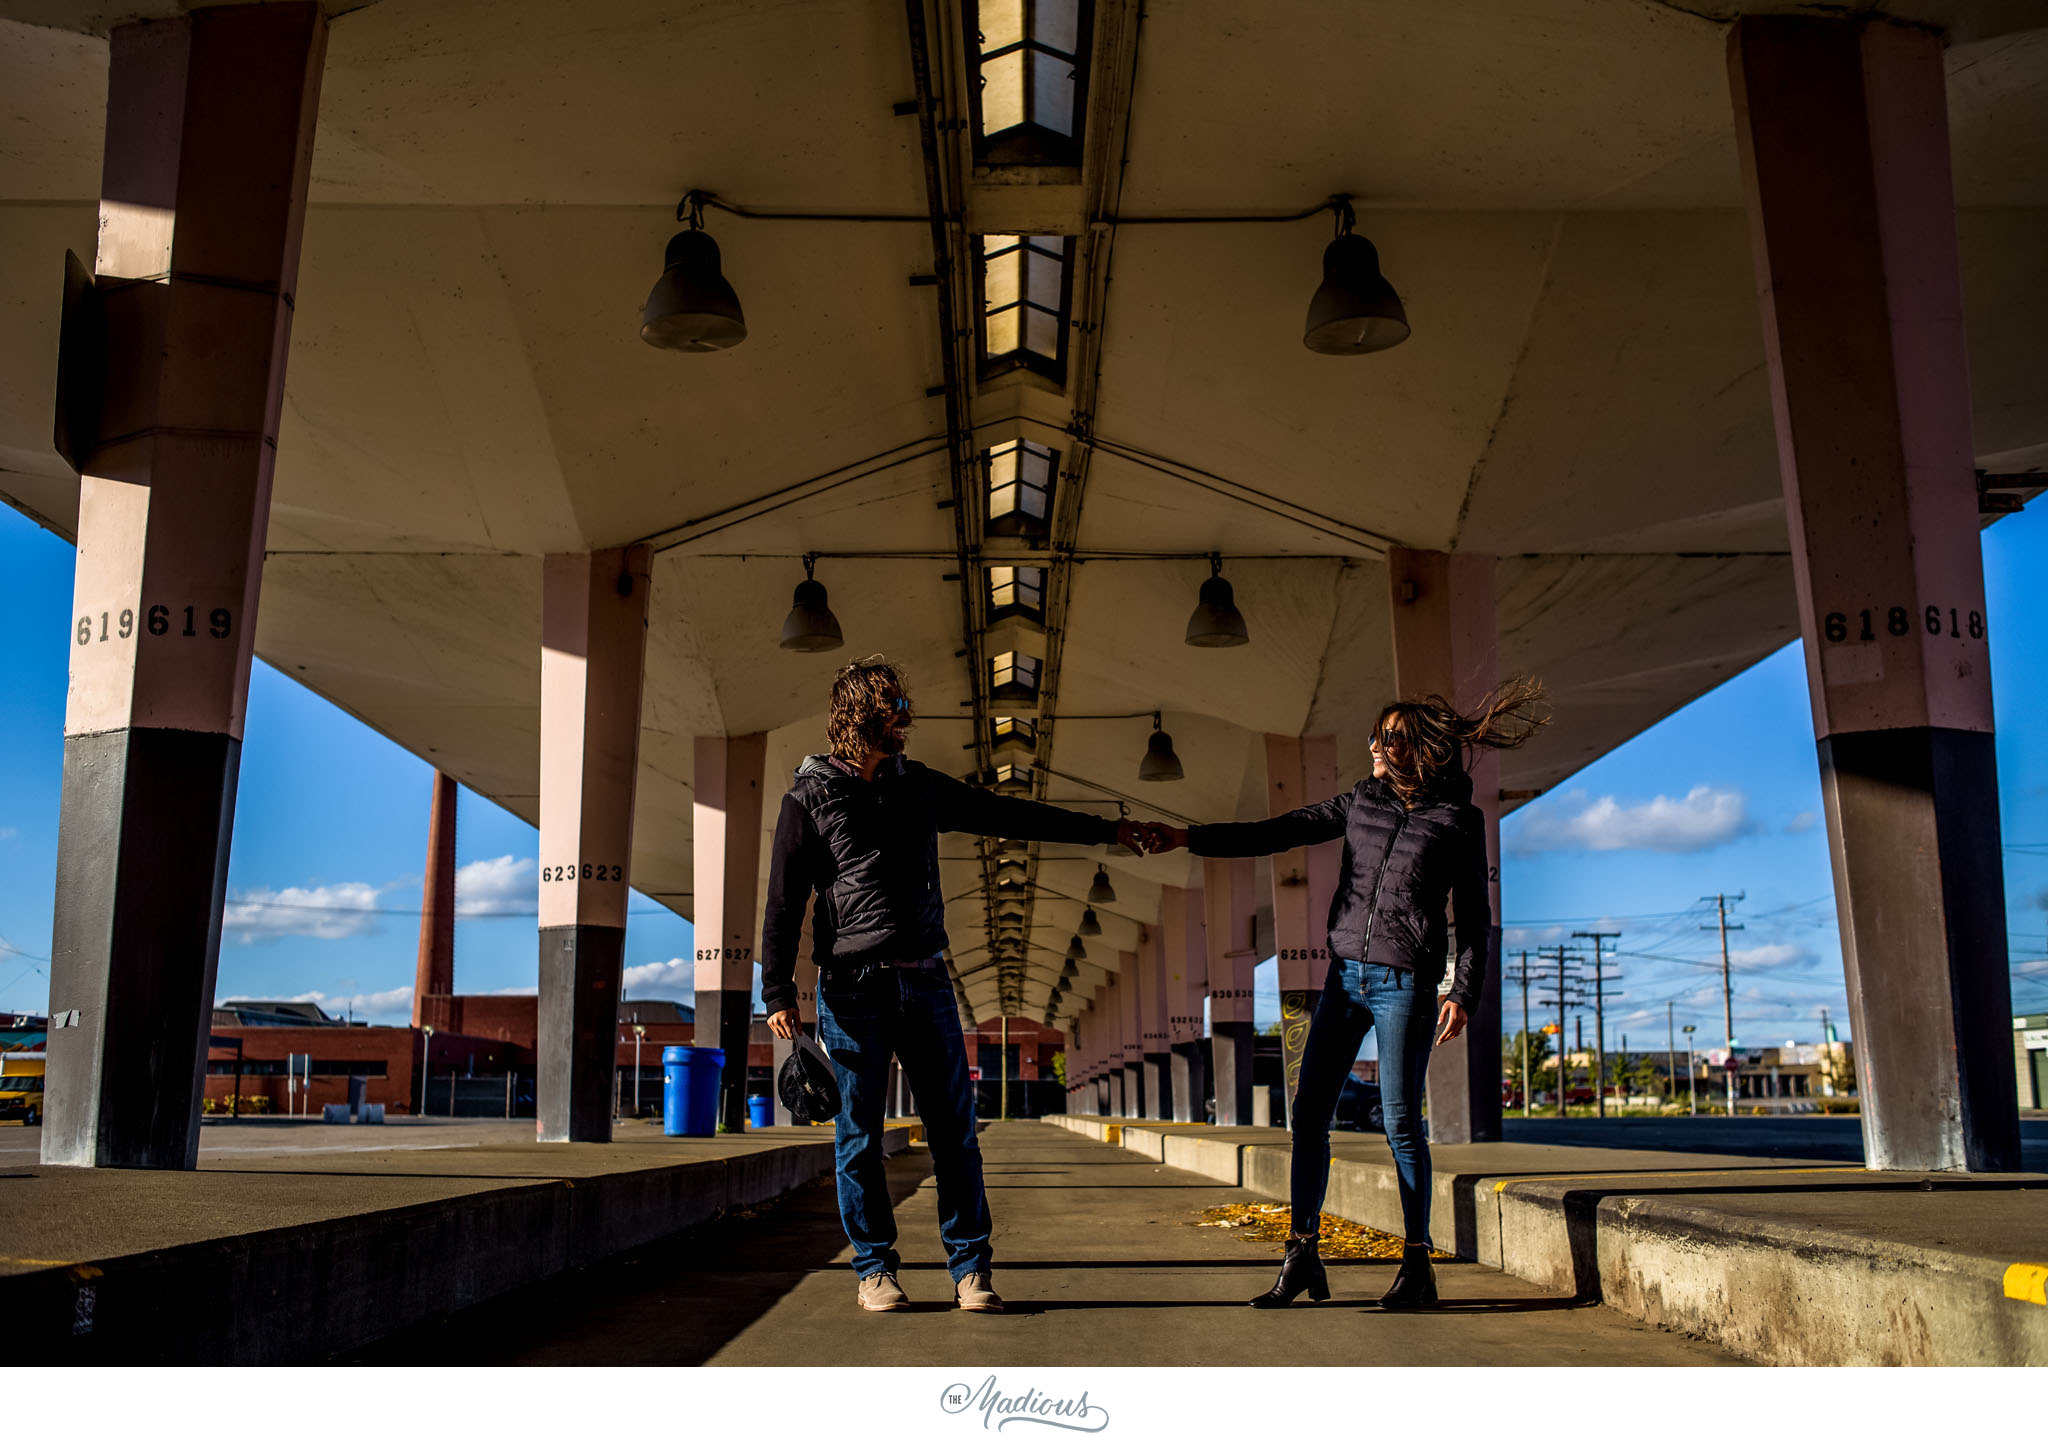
(1388, 737)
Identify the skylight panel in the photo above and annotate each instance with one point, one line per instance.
(1033, 66)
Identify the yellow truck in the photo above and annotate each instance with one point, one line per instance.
(21, 1088)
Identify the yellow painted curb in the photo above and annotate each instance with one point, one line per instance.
(1113, 1134)
(2026, 1281)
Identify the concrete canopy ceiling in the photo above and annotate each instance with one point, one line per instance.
(1552, 189)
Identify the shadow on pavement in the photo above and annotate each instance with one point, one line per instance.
(624, 1310)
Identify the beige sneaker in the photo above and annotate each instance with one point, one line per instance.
(977, 1293)
(881, 1292)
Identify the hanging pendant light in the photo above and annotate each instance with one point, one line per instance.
(810, 626)
(691, 307)
(1355, 310)
(1100, 893)
(1075, 952)
(1091, 925)
(1216, 623)
(1159, 763)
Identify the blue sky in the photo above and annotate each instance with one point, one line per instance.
(1723, 796)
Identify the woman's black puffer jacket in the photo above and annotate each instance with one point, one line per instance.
(1401, 864)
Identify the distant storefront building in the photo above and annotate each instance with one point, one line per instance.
(2030, 1059)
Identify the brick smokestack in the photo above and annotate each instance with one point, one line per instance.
(434, 979)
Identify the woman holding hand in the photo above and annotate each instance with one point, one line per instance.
(1413, 844)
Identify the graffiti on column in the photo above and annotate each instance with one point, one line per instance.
(1294, 1015)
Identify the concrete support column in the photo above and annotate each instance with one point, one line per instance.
(1842, 127)
(1286, 789)
(1152, 1033)
(1187, 982)
(433, 981)
(171, 383)
(726, 859)
(1129, 1010)
(1319, 783)
(593, 637)
(1229, 897)
(1444, 646)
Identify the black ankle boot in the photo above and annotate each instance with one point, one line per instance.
(1415, 1283)
(1301, 1269)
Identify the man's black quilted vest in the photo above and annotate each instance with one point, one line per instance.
(879, 893)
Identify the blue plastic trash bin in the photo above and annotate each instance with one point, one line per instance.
(761, 1110)
(689, 1089)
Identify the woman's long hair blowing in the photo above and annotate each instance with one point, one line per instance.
(863, 701)
(1424, 742)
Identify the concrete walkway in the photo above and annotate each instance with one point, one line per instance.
(1097, 1254)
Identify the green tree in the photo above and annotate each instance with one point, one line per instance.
(1633, 1072)
(1511, 1057)
(1059, 1067)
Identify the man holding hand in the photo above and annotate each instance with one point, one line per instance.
(859, 827)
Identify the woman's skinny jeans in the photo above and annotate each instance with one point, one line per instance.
(1358, 998)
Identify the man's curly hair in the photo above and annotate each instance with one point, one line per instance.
(862, 703)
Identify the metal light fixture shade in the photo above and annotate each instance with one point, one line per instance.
(810, 626)
(1100, 893)
(1091, 925)
(1075, 951)
(1355, 310)
(1159, 763)
(1216, 623)
(691, 307)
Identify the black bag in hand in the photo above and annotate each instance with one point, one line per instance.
(807, 1085)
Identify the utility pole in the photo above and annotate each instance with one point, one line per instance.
(1599, 1013)
(1670, 1053)
(1692, 1090)
(1521, 974)
(1562, 1002)
(1721, 901)
(1579, 1032)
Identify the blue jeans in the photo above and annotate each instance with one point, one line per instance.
(863, 1017)
(1358, 998)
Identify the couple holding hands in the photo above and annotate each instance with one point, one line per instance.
(859, 829)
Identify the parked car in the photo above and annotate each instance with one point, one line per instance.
(1358, 1106)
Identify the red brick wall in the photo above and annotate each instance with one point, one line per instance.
(398, 1047)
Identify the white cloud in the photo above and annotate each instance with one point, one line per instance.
(672, 980)
(496, 886)
(1773, 954)
(1803, 822)
(367, 1006)
(1705, 817)
(1518, 937)
(341, 909)
(7, 832)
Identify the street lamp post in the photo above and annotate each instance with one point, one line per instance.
(426, 1048)
(639, 1031)
(1692, 1091)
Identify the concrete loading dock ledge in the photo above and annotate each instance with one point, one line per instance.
(242, 1262)
(1780, 1260)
